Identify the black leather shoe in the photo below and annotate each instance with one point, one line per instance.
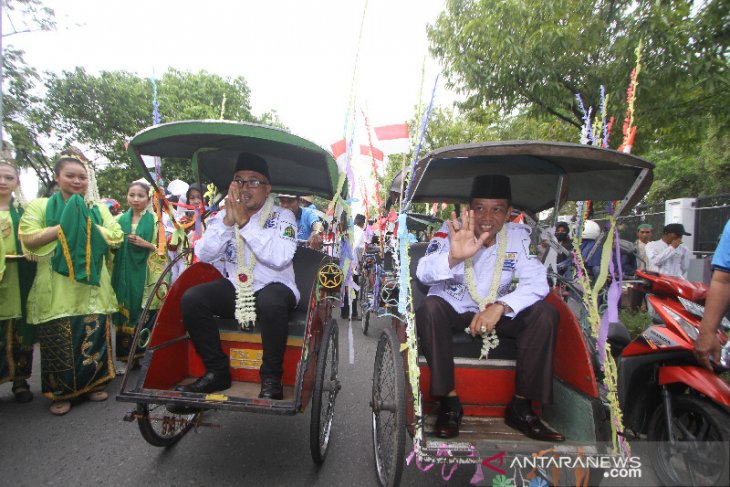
(210, 382)
(448, 422)
(531, 426)
(271, 389)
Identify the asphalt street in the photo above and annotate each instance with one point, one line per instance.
(92, 445)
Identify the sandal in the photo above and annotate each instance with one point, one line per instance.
(22, 393)
(97, 396)
(59, 408)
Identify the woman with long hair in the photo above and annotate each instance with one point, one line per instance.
(137, 267)
(71, 300)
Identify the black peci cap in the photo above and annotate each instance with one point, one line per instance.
(252, 162)
(491, 186)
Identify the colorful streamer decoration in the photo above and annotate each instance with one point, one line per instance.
(629, 129)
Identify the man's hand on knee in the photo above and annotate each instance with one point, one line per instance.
(485, 321)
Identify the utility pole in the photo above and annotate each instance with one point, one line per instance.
(2, 58)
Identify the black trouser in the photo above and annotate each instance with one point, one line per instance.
(201, 303)
(535, 329)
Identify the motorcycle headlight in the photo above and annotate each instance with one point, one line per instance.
(691, 330)
(699, 310)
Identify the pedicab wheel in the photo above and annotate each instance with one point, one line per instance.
(389, 410)
(699, 456)
(160, 427)
(326, 387)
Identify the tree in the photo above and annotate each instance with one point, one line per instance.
(535, 56)
(103, 111)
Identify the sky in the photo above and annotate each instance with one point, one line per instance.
(297, 56)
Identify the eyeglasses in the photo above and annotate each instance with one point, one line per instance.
(249, 183)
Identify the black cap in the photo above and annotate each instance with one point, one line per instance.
(677, 228)
(252, 162)
(562, 224)
(491, 186)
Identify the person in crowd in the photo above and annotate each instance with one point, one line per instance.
(137, 267)
(309, 225)
(72, 299)
(717, 304)
(668, 255)
(16, 336)
(644, 232)
(460, 266)
(114, 207)
(308, 202)
(590, 248)
(358, 235)
(252, 242)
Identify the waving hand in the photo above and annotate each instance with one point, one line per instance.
(463, 243)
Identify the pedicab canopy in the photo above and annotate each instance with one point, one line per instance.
(296, 165)
(538, 172)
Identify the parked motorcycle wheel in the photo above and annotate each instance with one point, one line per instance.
(700, 454)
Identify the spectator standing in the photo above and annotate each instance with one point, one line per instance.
(643, 236)
(668, 255)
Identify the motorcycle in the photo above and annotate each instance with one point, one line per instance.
(666, 395)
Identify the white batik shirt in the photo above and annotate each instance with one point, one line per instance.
(273, 245)
(522, 284)
(665, 259)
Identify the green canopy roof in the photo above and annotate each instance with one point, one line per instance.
(296, 165)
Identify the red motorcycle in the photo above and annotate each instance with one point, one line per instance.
(666, 395)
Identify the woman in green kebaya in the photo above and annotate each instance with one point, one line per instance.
(16, 276)
(137, 267)
(72, 299)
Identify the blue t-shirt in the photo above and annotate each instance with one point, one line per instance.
(305, 222)
(721, 260)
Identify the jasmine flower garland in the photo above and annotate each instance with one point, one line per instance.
(245, 300)
(489, 340)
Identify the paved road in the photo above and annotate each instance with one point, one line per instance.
(92, 445)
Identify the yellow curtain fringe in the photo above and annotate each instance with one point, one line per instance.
(66, 254)
(88, 248)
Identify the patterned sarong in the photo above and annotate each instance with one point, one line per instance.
(16, 350)
(76, 355)
(125, 335)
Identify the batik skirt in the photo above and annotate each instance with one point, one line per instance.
(76, 356)
(16, 349)
(125, 336)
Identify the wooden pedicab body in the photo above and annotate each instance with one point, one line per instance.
(485, 387)
(311, 356)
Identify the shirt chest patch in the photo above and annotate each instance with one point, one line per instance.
(434, 246)
(271, 222)
(510, 262)
(230, 252)
(287, 231)
(455, 290)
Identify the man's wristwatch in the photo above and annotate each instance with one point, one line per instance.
(506, 307)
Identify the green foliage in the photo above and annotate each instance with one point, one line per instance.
(530, 58)
(636, 323)
(103, 111)
(27, 16)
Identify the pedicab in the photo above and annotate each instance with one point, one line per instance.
(311, 357)
(543, 175)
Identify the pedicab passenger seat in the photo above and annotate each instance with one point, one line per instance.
(464, 345)
(306, 265)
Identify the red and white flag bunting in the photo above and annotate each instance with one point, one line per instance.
(376, 153)
(393, 139)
